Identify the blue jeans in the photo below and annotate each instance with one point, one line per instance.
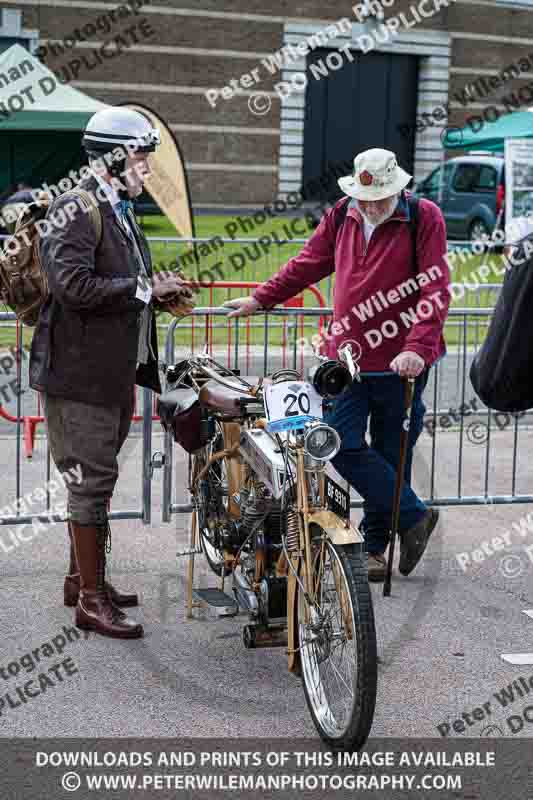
(371, 470)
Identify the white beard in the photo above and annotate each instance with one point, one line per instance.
(375, 220)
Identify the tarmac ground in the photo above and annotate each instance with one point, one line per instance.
(440, 636)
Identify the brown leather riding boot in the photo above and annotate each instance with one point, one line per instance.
(71, 587)
(95, 611)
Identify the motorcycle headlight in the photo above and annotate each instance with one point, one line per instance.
(330, 378)
(322, 442)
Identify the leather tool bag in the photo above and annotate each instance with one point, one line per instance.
(180, 413)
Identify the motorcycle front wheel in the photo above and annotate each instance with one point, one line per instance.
(337, 644)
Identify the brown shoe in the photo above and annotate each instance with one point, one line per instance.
(94, 610)
(376, 567)
(413, 542)
(71, 587)
(71, 590)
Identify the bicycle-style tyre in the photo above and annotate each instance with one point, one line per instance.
(210, 498)
(337, 648)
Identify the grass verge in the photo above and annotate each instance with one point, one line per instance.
(251, 262)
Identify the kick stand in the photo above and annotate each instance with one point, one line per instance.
(194, 549)
(222, 579)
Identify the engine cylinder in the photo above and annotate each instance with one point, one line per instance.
(253, 512)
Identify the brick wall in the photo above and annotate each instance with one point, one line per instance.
(188, 53)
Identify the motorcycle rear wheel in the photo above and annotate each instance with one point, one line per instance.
(214, 484)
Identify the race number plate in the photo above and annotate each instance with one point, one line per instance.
(290, 404)
(337, 499)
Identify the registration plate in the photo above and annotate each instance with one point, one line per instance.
(337, 499)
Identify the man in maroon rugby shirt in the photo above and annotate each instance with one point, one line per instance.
(392, 303)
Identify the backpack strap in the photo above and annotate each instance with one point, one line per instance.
(412, 203)
(94, 211)
(340, 215)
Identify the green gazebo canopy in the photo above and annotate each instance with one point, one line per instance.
(491, 135)
(41, 120)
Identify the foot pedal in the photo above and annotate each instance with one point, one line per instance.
(195, 552)
(221, 603)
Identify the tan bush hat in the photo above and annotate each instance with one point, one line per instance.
(376, 175)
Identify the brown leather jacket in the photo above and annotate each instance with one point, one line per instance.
(85, 344)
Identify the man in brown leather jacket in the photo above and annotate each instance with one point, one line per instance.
(95, 338)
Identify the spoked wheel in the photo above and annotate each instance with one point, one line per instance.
(337, 641)
(213, 502)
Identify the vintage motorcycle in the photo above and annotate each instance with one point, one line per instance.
(268, 517)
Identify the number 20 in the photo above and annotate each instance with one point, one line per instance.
(300, 398)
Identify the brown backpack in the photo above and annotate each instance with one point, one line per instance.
(23, 283)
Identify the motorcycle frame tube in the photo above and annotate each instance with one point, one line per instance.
(303, 508)
(292, 623)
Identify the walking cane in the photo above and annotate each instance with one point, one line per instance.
(404, 435)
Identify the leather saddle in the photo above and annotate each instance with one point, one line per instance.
(215, 396)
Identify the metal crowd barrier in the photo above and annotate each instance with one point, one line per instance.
(32, 420)
(451, 373)
(260, 352)
(24, 428)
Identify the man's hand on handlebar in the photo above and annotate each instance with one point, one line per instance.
(243, 306)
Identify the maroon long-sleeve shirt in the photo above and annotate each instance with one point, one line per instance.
(382, 300)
